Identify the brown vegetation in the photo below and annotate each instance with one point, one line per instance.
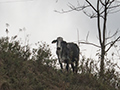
(20, 72)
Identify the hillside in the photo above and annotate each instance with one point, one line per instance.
(31, 75)
(20, 72)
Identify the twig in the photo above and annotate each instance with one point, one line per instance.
(112, 35)
(91, 5)
(90, 44)
(112, 43)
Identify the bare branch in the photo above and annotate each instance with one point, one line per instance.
(93, 15)
(98, 23)
(79, 8)
(72, 8)
(104, 23)
(109, 43)
(90, 44)
(91, 5)
(63, 11)
(87, 36)
(102, 2)
(112, 9)
(112, 35)
(111, 12)
(115, 6)
(112, 43)
(112, 1)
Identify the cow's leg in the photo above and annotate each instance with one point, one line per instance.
(60, 64)
(67, 66)
(59, 58)
(76, 66)
(72, 65)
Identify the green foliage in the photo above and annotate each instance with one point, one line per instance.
(23, 68)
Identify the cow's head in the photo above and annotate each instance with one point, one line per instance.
(59, 42)
(62, 50)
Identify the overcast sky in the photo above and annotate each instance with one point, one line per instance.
(38, 19)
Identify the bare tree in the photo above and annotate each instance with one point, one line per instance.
(100, 10)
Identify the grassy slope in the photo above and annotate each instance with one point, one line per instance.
(18, 72)
(32, 75)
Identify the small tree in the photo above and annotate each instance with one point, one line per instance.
(100, 11)
(43, 54)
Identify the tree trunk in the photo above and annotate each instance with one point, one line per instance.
(102, 62)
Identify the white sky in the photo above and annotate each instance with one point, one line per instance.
(43, 24)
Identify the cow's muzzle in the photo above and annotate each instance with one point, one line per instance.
(58, 48)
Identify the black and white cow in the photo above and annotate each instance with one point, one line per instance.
(67, 53)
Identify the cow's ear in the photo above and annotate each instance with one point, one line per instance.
(54, 41)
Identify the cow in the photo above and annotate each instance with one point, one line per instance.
(67, 53)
